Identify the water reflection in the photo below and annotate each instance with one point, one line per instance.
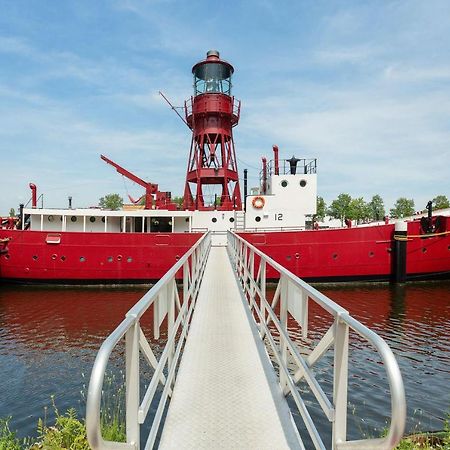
(49, 338)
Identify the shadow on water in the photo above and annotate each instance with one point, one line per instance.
(49, 338)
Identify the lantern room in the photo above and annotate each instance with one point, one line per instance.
(212, 75)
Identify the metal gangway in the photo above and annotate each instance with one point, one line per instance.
(230, 364)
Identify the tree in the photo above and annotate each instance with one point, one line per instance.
(12, 212)
(178, 201)
(441, 202)
(376, 208)
(111, 201)
(340, 208)
(403, 208)
(358, 209)
(321, 209)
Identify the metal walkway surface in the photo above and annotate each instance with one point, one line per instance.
(227, 394)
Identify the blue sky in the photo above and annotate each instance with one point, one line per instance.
(364, 86)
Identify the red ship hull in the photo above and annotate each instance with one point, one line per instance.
(363, 253)
(91, 258)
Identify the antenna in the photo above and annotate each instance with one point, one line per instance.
(174, 108)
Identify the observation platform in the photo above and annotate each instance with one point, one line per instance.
(226, 394)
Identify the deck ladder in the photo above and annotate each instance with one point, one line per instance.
(177, 394)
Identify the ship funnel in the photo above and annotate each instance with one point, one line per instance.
(33, 195)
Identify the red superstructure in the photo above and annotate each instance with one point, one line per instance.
(211, 114)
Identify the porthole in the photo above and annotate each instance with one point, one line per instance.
(335, 255)
(231, 219)
(288, 257)
(7, 256)
(103, 219)
(50, 218)
(110, 259)
(302, 183)
(129, 259)
(54, 256)
(35, 257)
(297, 256)
(82, 259)
(371, 254)
(119, 257)
(177, 257)
(73, 219)
(63, 258)
(258, 219)
(187, 219)
(424, 250)
(92, 219)
(284, 183)
(214, 220)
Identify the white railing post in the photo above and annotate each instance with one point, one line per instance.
(284, 302)
(170, 298)
(262, 300)
(252, 289)
(186, 286)
(132, 384)
(340, 381)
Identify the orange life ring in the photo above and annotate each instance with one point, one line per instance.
(258, 202)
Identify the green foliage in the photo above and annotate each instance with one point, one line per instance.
(12, 212)
(340, 208)
(376, 208)
(113, 408)
(178, 201)
(441, 202)
(8, 439)
(403, 208)
(67, 433)
(321, 209)
(358, 209)
(111, 201)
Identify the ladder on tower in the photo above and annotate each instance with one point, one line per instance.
(214, 384)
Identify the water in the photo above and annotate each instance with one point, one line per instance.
(49, 338)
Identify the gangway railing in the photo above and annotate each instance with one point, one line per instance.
(292, 296)
(164, 299)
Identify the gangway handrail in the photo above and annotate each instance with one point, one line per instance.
(292, 294)
(163, 296)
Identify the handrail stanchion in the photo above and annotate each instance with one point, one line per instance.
(132, 384)
(340, 381)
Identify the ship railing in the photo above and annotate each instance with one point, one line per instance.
(292, 299)
(304, 166)
(269, 229)
(164, 299)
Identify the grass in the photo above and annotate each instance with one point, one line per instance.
(8, 439)
(426, 441)
(67, 433)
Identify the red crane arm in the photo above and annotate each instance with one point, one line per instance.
(150, 187)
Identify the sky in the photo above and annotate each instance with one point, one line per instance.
(363, 86)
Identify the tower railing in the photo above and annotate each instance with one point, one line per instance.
(164, 299)
(292, 298)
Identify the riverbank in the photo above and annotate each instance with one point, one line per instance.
(69, 432)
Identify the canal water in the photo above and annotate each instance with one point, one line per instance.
(49, 338)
